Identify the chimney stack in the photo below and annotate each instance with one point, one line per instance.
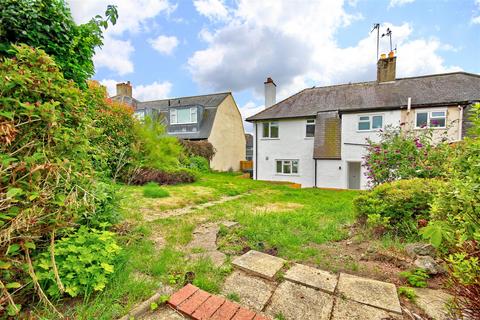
(386, 67)
(270, 93)
(124, 89)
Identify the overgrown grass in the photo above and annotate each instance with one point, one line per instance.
(153, 190)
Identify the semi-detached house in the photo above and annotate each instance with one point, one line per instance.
(317, 137)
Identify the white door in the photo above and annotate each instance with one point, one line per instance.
(354, 175)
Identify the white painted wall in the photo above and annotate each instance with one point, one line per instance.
(290, 145)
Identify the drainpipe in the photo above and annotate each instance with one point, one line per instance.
(256, 152)
(460, 125)
(315, 173)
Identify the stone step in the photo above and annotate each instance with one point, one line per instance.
(201, 305)
(259, 263)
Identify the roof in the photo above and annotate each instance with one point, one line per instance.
(448, 88)
(207, 100)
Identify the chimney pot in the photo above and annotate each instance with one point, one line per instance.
(270, 92)
(386, 67)
(124, 89)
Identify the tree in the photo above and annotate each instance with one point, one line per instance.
(48, 25)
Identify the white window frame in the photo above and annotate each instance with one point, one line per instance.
(310, 122)
(174, 116)
(430, 117)
(285, 162)
(275, 123)
(370, 122)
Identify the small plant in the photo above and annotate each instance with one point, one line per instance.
(280, 316)
(233, 297)
(153, 306)
(153, 190)
(417, 278)
(408, 293)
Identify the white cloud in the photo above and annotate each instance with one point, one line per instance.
(115, 55)
(133, 17)
(295, 44)
(247, 110)
(164, 44)
(153, 91)
(212, 9)
(398, 3)
(476, 20)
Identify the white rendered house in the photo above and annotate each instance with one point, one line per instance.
(317, 137)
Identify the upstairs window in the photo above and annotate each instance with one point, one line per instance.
(371, 122)
(431, 119)
(270, 130)
(287, 166)
(310, 128)
(183, 116)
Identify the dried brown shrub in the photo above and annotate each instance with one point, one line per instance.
(201, 148)
(142, 176)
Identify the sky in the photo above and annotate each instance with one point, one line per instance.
(175, 48)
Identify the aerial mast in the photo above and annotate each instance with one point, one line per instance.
(389, 34)
(377, 26)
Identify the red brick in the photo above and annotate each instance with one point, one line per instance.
(192, 303)
(244, 314)
(259, 317)
(208, 308)
(226, 311)
(182, 295)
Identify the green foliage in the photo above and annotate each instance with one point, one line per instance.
(48, 25)
(437, 232)
(84, 261)
(233, 297)
(402, 154)
(465, 268)
(408, 293)
(153, 190)
(402, 202)
(154, 148)
(416, 278)
(197, 163)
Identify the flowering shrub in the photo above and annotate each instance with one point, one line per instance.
(404, 155)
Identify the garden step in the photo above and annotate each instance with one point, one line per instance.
(201, 305)
(312, 277)
(259, 263)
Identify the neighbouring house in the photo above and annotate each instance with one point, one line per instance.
(317, 137)
(249, 147)
(211, 117)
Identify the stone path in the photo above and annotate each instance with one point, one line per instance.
(308, 293)
(188, 209)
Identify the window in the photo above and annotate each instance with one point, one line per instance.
(310, 128)
(270, 130)
(287, 166)
(181, 116)
(373, 122)
(431, 119)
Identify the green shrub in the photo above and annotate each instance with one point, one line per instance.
(402, 202)
(405, 154)
(153, 190)
(408, 293)
(84, 260)
(198, 163)
(416, 278)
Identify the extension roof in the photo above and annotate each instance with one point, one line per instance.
(431, 90)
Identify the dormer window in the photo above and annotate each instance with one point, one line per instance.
(183, 115)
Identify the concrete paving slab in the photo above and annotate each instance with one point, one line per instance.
(294, 301)
(254, 292)
(258, 263)
(312, 277)
(371, 292)
(433, 302)
(217, 257)
(345, 309)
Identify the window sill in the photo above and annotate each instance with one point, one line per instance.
(430, 128)
(309, 138)
(373, 130)
(288, 174)
(269, 138)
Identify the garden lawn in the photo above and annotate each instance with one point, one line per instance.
(273, 218)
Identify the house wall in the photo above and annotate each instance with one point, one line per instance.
(290, 145)
(227, 137)
(453, 122)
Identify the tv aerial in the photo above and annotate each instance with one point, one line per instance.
(388, 34)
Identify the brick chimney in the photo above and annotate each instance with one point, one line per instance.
(270, 93)
(124, 89)
(386, 67)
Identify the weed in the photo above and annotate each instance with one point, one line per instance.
(233, 297)
(153, 190)
(408, 293)
(280, 316)
(416, 278)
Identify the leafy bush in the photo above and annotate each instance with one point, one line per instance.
(84, 261)
(49, 25)
(198, 163)
(153, 190)
(404, 155)
(408, 293)
(142, 176)
(417, 278)
(404, 203)
(200, 148)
